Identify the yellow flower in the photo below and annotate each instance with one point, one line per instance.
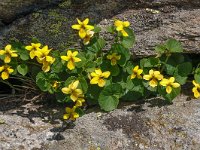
(154, 77)
(89, 35)
(8, 53)
(5, 71)
(55, 84)
(82, 26)
(169, 83)
(73, 91)
(70, 113)
(80, 101)
(196, 89)
(120, 26)
(32, 48)
(98, 77)
(114, 57)
(136, 73)
(44, 58)
(71, 59)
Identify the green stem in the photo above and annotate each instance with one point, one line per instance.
(164, 63)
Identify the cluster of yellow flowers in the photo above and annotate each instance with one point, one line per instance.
(77, 96)
(154, 77)
(196, 89)
(7, 55)
(85, 30)
(41, 54)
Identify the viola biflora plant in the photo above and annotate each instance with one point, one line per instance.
(92, 75)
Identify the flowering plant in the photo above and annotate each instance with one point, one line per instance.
(92, 75)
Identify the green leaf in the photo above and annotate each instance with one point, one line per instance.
(70, 80)
(42, 84)
(169, 97)
(83, 83)
(180, 79)
(97, 46)
(97, 29)
(22, 69)
(160, 49)
(110, 29)
(149, 62)
(124, 52)
(114, 70)
(174, 46)
(80, 112)
(109, 97)
(197, 78)
(128, 41)
(184, 69)
(61, 97)
(197, 75)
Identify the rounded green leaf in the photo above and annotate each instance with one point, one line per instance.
(22, 69)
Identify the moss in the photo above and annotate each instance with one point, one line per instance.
(65, 4)
(55, 28)
(57, 16)
(35, 15)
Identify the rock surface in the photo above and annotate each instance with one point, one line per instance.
(153, 125)
(52, 25)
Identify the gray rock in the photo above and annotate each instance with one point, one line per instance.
(52, 26)
(153, 125)
(12, 9)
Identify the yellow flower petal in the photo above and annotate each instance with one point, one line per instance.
(70, 65)
(175, 85)
(164, 82)
(82, 33)
(113, 62)
(168, 89)
(75, 53)
(2, 68)
(8, 47)
(171, 79)
(98, 72)
(7, 59)
(66, 90)
(147, 77)
(65, 58)
(32, 54)
(86, 21)
(76, 27)
(68, 110)
(124, 33)
(75, 115)
(101, 82)
(93, 74)
(89, 27)
(76, 59)
(4, 75)
(79, 22)
(133, 76)
(126, 23)
(10, 70)
(66, 116)
(118, 23)
(106, 74)
(75, 84)
(94, 80)
(2, 52)
(139, 71)
(135, 69)
(153, 83)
